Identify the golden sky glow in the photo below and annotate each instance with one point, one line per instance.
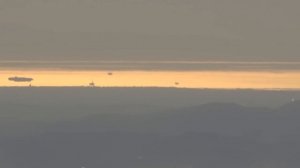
(186, 79)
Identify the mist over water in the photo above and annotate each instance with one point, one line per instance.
(149, 84)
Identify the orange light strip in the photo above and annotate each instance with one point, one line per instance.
(185, 79)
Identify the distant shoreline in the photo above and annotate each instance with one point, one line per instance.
(138, 87)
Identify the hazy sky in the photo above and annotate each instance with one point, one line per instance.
(187, 41)
(194, 30)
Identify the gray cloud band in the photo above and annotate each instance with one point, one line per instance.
(150, 65)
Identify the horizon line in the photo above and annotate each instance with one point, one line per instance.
(155, 87)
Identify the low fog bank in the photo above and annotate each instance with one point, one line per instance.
(163, 97)
(152, 128)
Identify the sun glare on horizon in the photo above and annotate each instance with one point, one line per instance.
(180, 79)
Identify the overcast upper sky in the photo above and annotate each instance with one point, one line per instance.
(194, 30)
